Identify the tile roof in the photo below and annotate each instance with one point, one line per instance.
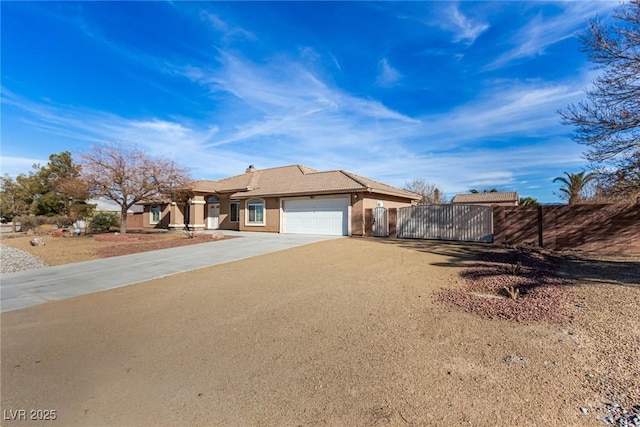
(296, 180)
(496, 197)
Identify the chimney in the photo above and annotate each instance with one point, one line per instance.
(250, 169)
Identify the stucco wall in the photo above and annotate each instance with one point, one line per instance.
(357, 214)
(371, 201)
(272, 216)
(224, 219)
(165, 216)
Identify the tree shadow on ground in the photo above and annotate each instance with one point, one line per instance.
(578, 268)
(460, 254)
(588, 268)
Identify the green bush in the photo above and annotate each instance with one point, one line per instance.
(103, 221)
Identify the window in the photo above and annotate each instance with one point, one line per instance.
(155, 214)
(213, 199)
(255, 212)
(234, 211)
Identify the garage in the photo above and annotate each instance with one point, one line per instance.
(328, 216)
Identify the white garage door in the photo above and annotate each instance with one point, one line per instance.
(317, 216)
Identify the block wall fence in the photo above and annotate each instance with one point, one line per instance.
(613, 228)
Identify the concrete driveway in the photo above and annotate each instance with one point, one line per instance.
(32, 287)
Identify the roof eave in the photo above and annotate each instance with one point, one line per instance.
(246, 195)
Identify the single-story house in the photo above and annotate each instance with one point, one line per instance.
(106, 205)
(500, 198)
(288, 199)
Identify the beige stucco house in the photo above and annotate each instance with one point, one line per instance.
(499, 198)
(288, 199)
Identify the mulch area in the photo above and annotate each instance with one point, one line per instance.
(138, 244)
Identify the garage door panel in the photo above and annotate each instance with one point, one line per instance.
(316, 216)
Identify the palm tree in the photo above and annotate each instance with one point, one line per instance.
(474, 191)
(573, 185)
(528, 201)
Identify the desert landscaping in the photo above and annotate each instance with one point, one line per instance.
(353, 331)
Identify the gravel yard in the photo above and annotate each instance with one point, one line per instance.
(350, 331)
(13, 259)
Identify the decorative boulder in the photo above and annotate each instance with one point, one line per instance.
(36, 242)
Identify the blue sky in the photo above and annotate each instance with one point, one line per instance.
(461, 94)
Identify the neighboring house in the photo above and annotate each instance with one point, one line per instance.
(105, 205)
(288, 199)
(509, 198)
(134, 214)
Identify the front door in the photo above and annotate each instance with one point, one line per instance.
(214, 214)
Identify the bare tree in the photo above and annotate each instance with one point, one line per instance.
(429, 192)
(128, 176)
(608, 122)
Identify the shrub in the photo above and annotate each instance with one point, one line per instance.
(103, 221)
(514, 269)
(512, 292)
(28, 222)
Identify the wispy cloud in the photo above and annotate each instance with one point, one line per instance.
(285, 100)
(228, 30)
(464, 29)
(543, 31)
(14, 166)
(387, 75)
(282, 113)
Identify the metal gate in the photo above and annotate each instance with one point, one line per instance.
(468, 223)
(380, 222)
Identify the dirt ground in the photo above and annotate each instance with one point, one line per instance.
(65, 250)
(343, 332)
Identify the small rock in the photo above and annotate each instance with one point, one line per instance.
(36, 242)
(584, 410)
(513, 359)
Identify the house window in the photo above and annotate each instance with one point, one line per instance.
(155, 214)
(255, 212)
(213, 199)
(234, 211)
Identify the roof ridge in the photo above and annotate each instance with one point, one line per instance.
(353, 177)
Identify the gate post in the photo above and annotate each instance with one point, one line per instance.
(393, 218)
(368, 222)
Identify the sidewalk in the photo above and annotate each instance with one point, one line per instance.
(32, 287)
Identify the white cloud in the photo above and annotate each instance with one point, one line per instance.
(14, 166)
(464, 28)
(541, 32)
(281, 113)
(228, 30)
(387, 75)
